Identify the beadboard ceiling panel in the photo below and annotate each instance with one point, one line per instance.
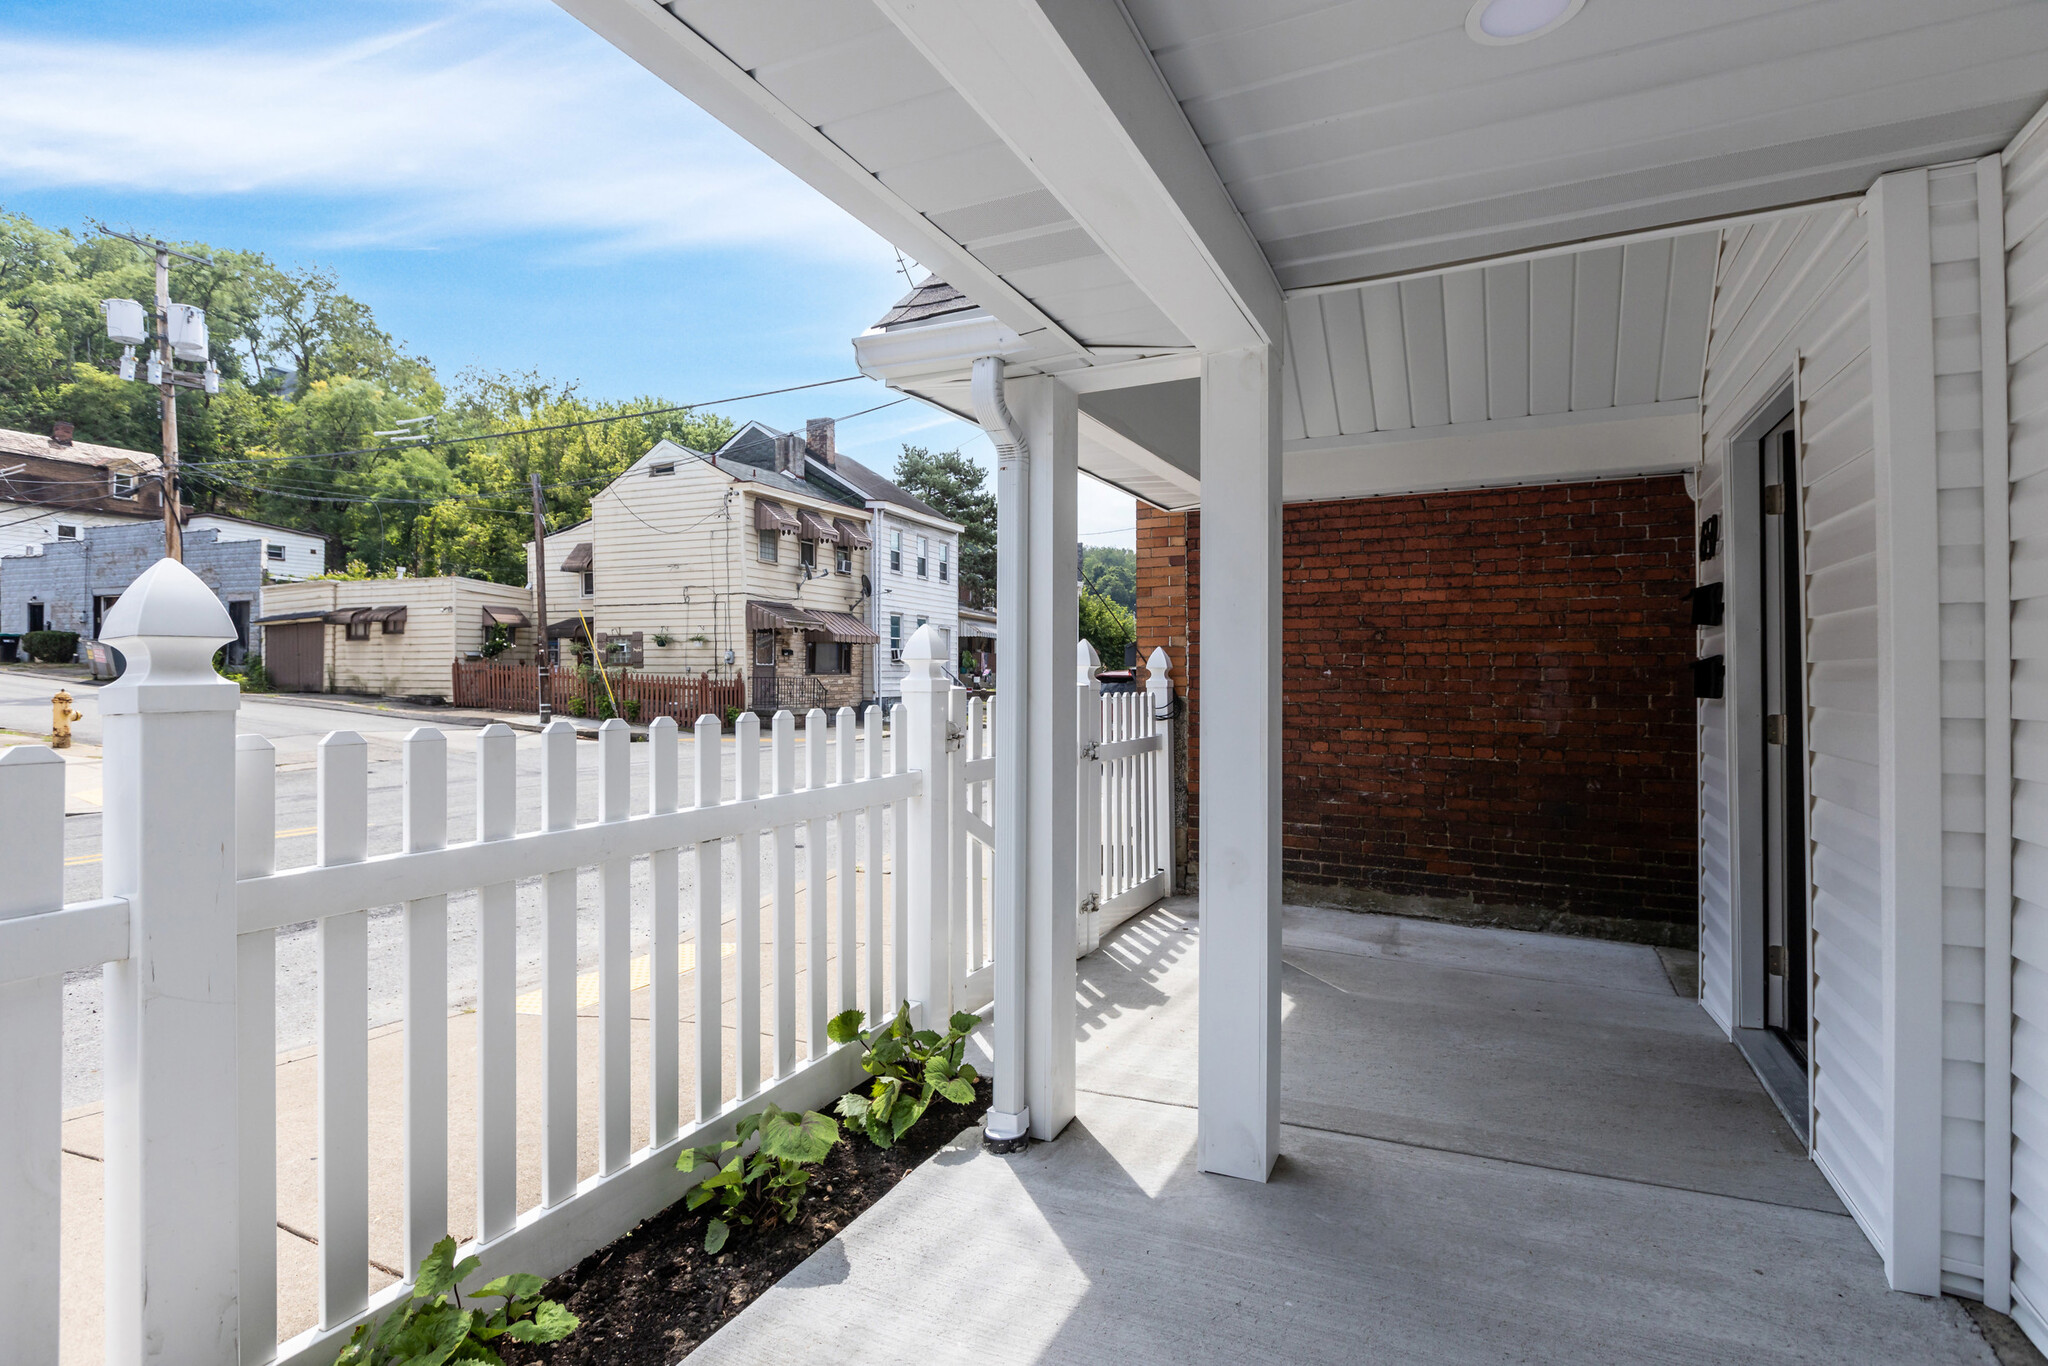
(1587, 331)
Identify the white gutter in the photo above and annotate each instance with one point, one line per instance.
(1009, 1117)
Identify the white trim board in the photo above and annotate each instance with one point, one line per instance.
(1611, 443)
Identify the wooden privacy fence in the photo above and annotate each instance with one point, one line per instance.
(187, 936)
(514, 687)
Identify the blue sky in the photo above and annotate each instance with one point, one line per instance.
(504, 188)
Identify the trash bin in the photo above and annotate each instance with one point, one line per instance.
(10, 649)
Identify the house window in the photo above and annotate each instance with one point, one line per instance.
(923, 551)
(828, 657)
(895, 638)
(358, 627)
(654, 471)
(896, 552)
(768, 550)
(764, 649)
(124, 484)
(842, 559)
(945, 568)
(66, 532)
(273, 552)
(807, 554)
(589, 582)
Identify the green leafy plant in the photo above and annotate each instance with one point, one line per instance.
(51, 647)
(700, 639)
(497, 640)
(632, 706)
(434, 1326)
(256, 678)
(765, 1186)
(732, 716)
(909, 1066)
(663, 640)
(577, 707)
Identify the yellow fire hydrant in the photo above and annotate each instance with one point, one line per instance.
(61, 717)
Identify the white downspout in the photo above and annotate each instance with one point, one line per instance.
(1009, 1117)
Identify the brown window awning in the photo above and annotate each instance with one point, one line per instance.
(349, 616)
(392, 619)
(579, 559)
(503, 616)
(815, 527)
(570, 628)
(853, 534)
(779, 616)
(770, 515)
(844, 628)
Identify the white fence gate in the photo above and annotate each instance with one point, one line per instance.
(187, 934)
(1126, 805)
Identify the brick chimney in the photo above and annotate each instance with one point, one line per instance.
(789, 455)
(820, 437)
(60, 434)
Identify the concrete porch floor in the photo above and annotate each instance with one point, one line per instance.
(1498, 1147)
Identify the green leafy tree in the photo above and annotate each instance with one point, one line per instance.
(957, 487)
(1107, 627)
(1111, 572)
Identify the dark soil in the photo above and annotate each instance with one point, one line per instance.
(654, 1295)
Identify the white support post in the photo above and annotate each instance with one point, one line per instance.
(925, 690)
(256, 1062)
(425, 817)
(31, 1061)
(1088, 797)
(497, 1021)
(343, 995)
(877, 896)
(1009, 1115)
(956, 840)
(614, 955)
(558, 973)
(172, 1131)
(1239, 1129)
(1159, 693)
(1048, 746)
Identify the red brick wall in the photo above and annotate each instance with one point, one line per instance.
(1486, 692)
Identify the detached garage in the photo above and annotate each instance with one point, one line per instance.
(387, 637)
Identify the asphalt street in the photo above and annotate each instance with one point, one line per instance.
(295, 726)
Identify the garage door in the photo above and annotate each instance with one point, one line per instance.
(294, 655)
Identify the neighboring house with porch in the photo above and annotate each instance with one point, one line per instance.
(388, 637)
(743, 562)
(69, 585)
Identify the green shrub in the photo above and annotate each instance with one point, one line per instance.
(909, 1066)
(497, 640)
(763, 1187)
(632, 705)
(256, 678)
(604, 706)
(51, 647)
(732, 716)
(434, 1326)
(576, 707)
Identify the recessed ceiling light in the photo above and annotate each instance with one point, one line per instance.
(1497, 23)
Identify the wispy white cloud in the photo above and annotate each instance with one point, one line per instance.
(487, 119)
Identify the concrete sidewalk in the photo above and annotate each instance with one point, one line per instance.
(1498, 1147)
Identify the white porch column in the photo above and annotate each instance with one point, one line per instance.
(1239, 1130)
(172, 1182)
(1036, 864)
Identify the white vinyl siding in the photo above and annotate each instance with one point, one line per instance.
(2026, 282)
(1795, 291)
(1959, 475)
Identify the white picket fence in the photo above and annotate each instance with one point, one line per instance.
(187, 935)
(1126, 805)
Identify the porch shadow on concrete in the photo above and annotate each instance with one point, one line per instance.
(1497, 1147)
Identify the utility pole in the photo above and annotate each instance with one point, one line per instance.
(174, 535)
(162, 370)
(540, 601)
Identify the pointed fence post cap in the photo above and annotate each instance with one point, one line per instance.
(1086, 661)
(924, 644)
(167, 625)
(1157, 665)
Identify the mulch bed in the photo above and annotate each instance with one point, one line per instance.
(654, 1295)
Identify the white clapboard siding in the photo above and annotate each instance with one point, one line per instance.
(2026, 284)
(1959, 476)
(1793, 293)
